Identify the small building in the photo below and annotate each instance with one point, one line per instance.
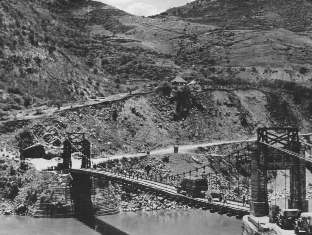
(178, 81)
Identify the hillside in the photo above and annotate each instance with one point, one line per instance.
(63, 52)
(145, 122)
(58, 51)
(248, 14)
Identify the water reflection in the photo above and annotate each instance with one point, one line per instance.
(175, 222)
(22, 225)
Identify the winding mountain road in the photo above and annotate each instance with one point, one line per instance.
(45, 111)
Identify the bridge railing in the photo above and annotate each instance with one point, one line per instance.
(168, 180)
(175, 180)
(235, 158)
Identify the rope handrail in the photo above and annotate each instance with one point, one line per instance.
(234, 153)
(291, 153)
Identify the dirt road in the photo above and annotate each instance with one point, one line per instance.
(45, 111)
(168, 150)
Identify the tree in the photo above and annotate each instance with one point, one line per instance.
(25, 138)
(27, 101)
(183, 99)
(164, 88)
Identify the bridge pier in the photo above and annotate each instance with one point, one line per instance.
(259, 194)
(81, 195)
(298, 186)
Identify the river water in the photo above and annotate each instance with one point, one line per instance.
(22, 225)
(175, 222)
(168, 222)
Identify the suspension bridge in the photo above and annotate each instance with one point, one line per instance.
(160, 188)
(274, 149)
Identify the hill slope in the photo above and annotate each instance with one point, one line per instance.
(248, 14)
(64, 51)
(68, 50)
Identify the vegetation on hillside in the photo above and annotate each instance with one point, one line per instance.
(22, 187)
(246, 14)
(56, 52)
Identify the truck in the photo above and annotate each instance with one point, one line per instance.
(304, 224)
(214, 196)
(193, 187)
(287, 219)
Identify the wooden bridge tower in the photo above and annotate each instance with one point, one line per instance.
(76, 142)
(277, 149)
(67, 163)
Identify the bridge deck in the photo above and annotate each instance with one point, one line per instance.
(168, 189)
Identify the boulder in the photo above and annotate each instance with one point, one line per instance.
(21, 209)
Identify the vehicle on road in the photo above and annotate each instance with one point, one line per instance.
(287, 218)
(216, 196)
(193, 187)
(304, 224)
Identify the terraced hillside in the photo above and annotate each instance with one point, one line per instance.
(56, 52)
(248, 14)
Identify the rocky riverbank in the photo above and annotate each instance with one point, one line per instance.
(24, 190)
(121, 198)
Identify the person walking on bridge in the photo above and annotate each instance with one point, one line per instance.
(224, 199)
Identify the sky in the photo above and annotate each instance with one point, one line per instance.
(145, 7)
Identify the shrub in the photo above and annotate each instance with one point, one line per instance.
(165, 159)
(25, 138)
(303, 70)
(254, 70)
(15, 90)
(27, 101)
(310, 107)
(37, 60)
(51, 49)
(212, 69)
(164, 88)
(183, 99)
(2, 113)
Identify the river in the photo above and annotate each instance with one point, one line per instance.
(175, 222)
(22, 225)
(168, 222)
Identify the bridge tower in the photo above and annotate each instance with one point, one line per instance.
(76, 142)
(277, 149)
(67, 163)
(86, 151)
